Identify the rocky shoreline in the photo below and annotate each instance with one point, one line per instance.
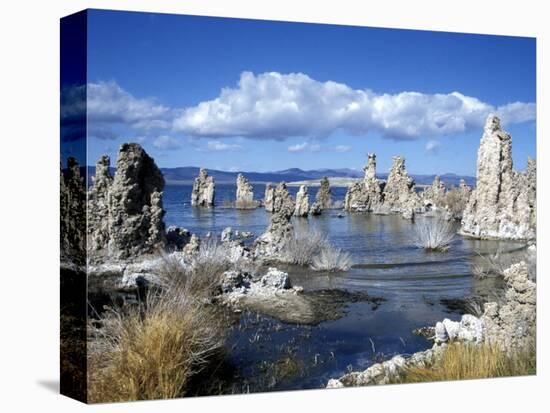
(509, 325)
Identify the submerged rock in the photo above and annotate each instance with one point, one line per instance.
(365, 196)
(244, 194)
(315, 209)
(203, 190)
(272, 294)
(177, 237)
(302, 202)
(504, 201)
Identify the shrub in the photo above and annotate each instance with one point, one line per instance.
(332, 260)
(455, 201)
(227, 203)
(434, 234)
(150, 351)
(494, 265)
(301, 249)
(462, 361)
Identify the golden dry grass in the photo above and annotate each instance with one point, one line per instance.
(151, 351)
(466, 361)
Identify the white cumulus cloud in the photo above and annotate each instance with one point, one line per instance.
(166, 143)
(315, 147)
(433, 146)
(219, 146)
(278, 106)
(108, 106)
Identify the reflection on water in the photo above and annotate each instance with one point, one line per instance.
(388, 265)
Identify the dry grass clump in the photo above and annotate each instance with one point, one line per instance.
(301, 249)
(434, 234)
(494, 265)
(331, 260)
(240, 204)
(151, 351)
(455, 201)
(314, 250)
(462, 361)
(201, 276)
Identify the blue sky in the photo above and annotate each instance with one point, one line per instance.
(260, 96)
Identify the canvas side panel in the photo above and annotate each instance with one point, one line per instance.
(73, 360)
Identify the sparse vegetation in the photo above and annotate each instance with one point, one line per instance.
(455, 202)
(301, 249)
(434, 234)
(151, 350)
(201, 277)
(332, 260)
(314, 250)
(494, 265)
(462, 361)
(241, 204)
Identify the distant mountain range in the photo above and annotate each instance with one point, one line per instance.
(187, 174)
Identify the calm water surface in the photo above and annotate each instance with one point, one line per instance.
(265, 354)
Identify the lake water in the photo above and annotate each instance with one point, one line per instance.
(265, 354)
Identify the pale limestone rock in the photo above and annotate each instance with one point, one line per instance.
(276, 279)
(245, 193)
(399, 194)
(282, 200)
(434, 195)
(503, 205)
(280, 230)
(98, 204)
(324, 196)
(126, 213)
(302, 202)
(227, 234)
(334, 384)
(193, 246)
(269, 197)
(366, 195)
(203, 190)
(513, 324)
(468, 329)
(72, 214)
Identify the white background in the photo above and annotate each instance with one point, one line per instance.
(29, 159)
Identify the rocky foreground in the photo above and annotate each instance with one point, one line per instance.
(510, 325)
